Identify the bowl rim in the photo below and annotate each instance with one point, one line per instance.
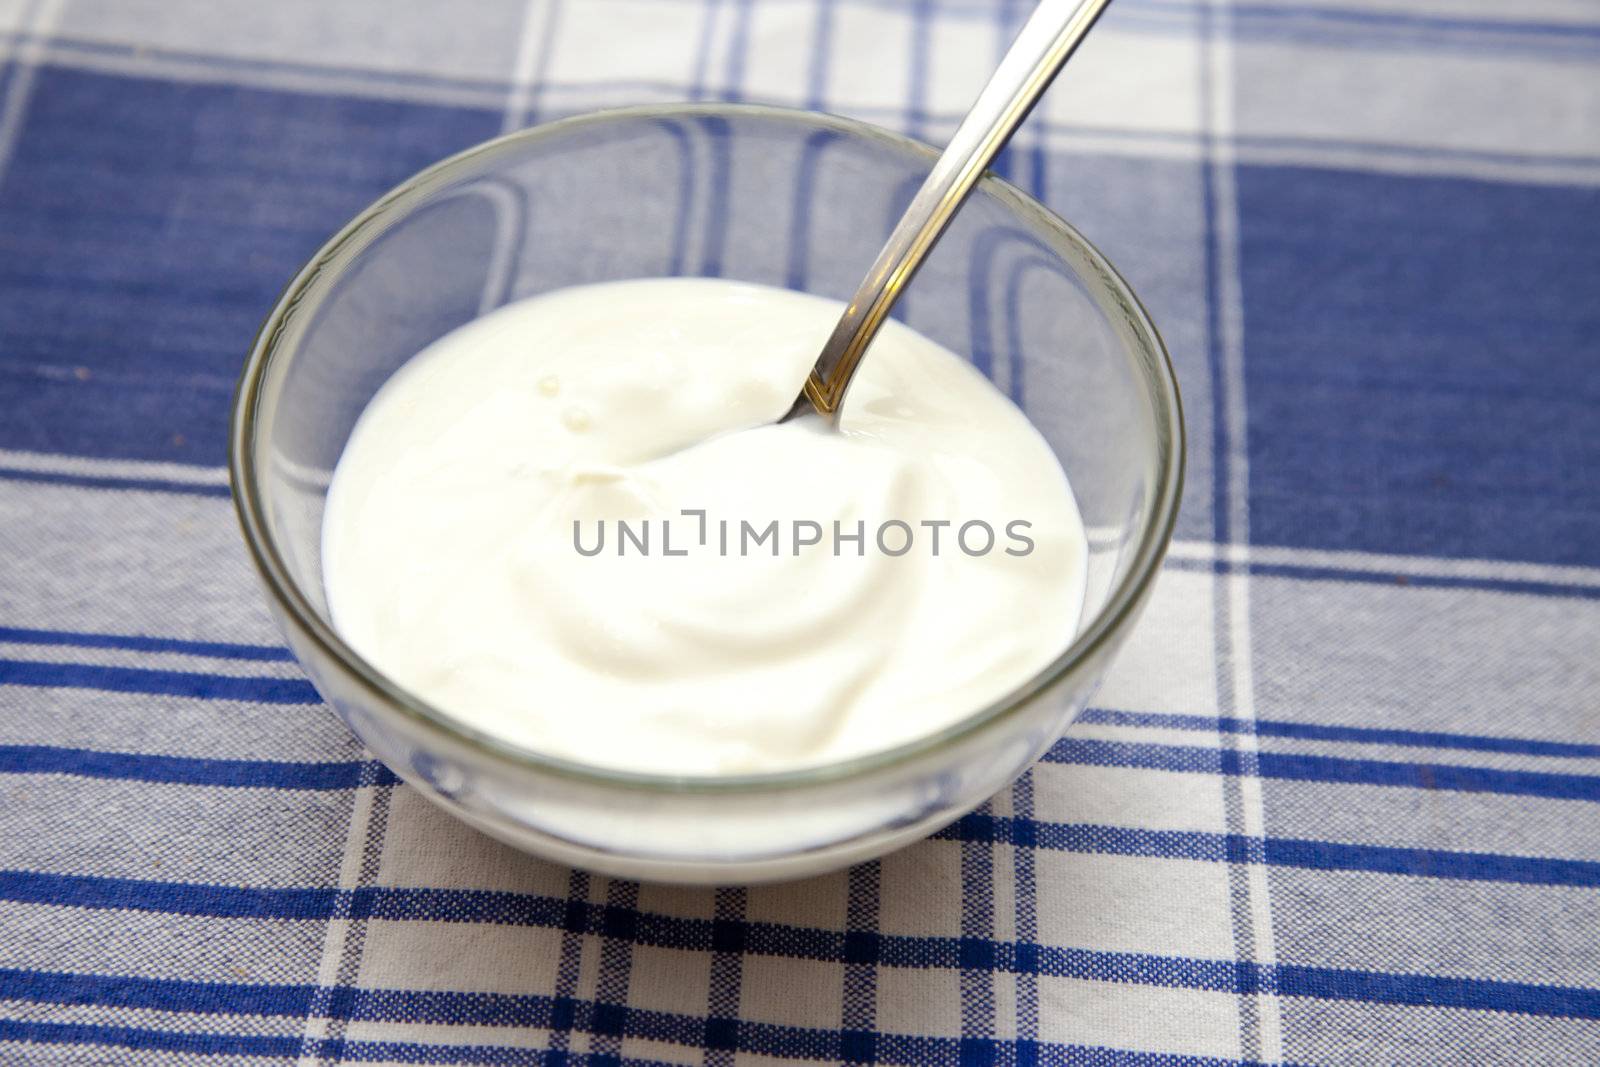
(1119, 611)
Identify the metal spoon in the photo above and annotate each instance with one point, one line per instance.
(1050, 36)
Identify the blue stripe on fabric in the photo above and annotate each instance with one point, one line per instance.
(1284, 766)
(1409, 40)
(1221, 473)
(616, 964)
(476, 1055)
(1043, 126)
(798, 271)
(493, 907)
(143, 643)
(498, 1009)
(710, 9)
(391, 1005)
(983, 269)
(1024, 881)
(1039, 183)
(538, 82)
(817, 74)
(574, 910)
(1281, 728)
(916, 111)
(899, 1049)
(1308, 572)
(1425, 581)
(90, 481)
(165, 683)
(129, 1037)
(983, 9)
(1464, 155)
(1408, 20)
(727, 975)
(1438, 992)
(1031, 1053)
(173, 898)
(1089, 838)
(738, 46)
(1363, 735)
(1312, 24)
(978, 942)
(719, 204)
(858, 1001)
(1026, 910)
(1015, 346)
(1002, 165)
(816, 88)
(162, 994)
(686, 187)
(1430, 863)
(483, 906)
(185, 770)
(1180, 758)
(263, 1045)
(516, 909)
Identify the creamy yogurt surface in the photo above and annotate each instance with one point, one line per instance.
(573, 523)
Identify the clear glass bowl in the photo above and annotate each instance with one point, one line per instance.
(779, 197)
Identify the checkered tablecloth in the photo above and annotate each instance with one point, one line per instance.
(1338, 803)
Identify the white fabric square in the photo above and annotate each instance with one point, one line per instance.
(684, 902)
(916, 1001)
(130, 562)
(1128, 796)
(1475, 660)
(643, 1050)
(11, 13)
(777, 68)
(961, 55)
(670, 980)
(790, 992)
(1464, 99)
(1169, 662)
(872, 85)
(1117, 1015)
(626, 40)
(1129, 80)
(399, 38)
(480, 957)
(1134, 904)
(818, 903)
(920, 894)
(424, 846)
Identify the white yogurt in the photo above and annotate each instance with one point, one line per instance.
(459, 540)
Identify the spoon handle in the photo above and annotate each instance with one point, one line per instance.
(1049, 37)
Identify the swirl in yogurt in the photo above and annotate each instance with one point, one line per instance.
(459, 538)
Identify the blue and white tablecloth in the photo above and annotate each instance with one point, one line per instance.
(1339, 802)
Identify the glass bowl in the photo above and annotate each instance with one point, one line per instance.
(779, 197)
